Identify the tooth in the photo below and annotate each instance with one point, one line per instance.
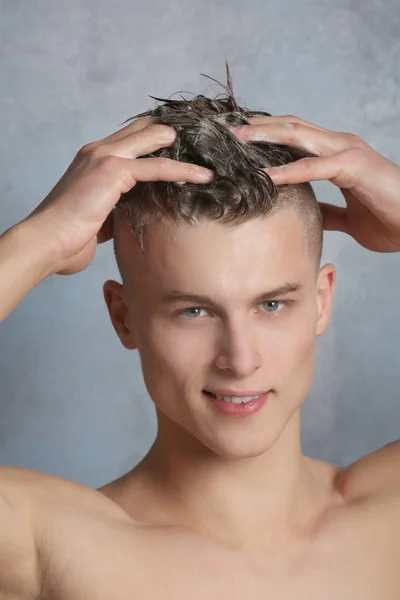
(237, 399)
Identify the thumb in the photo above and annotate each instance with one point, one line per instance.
(334, 217)
(107, 229)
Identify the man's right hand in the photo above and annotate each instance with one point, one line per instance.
(77, 213)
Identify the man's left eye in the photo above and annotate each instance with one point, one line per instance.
(274, 305)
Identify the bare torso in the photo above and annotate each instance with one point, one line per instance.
(93, 546)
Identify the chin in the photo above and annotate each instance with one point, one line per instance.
(239, 445)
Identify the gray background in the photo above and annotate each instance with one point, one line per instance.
(73, 402)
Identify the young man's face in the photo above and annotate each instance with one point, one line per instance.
(230, 341)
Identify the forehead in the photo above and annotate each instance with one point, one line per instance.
(217, 258)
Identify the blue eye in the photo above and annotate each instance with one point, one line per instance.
(275, 305)
(190, 312)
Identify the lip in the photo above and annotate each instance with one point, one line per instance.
(237, 410)
(236, 393)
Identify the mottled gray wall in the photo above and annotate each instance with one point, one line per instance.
(73, 402)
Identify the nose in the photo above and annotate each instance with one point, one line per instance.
(239, 350)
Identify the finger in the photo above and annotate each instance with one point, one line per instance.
(314, 141)
(127, 130)
(283, 119)
(166, 169)
(145, 141)
(334, 217)
(132, 128)
(152, 169)
(338, 169)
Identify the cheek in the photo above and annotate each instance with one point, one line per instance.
(293, 353)
(172, 355)
(302, 367)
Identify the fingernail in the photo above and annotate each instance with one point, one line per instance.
(168, 134)
(250, 135)
(274, 173)
(207, 174)
(261, 136)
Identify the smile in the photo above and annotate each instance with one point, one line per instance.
(236, 399)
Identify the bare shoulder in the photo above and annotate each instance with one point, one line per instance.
(367, 526)
(377, 473)
(47, 493)
(34, 508)
(371, 487)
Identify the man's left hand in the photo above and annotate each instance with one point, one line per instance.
(369, 182)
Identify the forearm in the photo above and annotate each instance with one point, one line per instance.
(25, 261)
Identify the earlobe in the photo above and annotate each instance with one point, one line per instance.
(115, 298)
(325, 292)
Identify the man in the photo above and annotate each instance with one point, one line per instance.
(223, 296)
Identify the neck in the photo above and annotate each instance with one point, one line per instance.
(232, 499)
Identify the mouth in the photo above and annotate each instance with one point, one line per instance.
(235, 405)
(236, 397)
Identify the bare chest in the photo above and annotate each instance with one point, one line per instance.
(103, 562)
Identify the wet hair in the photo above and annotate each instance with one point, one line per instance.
(240, 191)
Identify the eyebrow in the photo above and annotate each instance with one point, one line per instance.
(177, 296)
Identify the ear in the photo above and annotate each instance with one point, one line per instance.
(325, 291)
(115, 297)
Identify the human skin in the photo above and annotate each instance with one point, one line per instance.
(368, 181)
(171, 377)
(61, 235)
(62, 540)
(234, 343)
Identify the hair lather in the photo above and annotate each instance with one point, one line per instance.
(241, 189)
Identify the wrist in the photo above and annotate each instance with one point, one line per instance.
(28, 239)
